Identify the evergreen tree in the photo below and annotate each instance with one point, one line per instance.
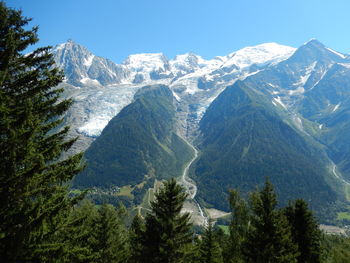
(239, 227)
(33, 188)
(79, 234)
(136, 231)
(269, 240)
(210, 251)
(111, 236)
(305, 231)
(167, 230)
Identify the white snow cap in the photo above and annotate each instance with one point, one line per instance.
(146, 61)
(259, 54)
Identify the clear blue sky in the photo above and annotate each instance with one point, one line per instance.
(117, 28)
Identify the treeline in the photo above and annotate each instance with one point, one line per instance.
(258, 232)
(41, 222)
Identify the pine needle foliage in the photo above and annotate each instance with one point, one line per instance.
(33, 178)
(167, 230)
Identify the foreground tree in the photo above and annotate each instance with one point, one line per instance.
(209, 250)
(239, 227)
(305, 231)
(136, 232)
(33, 179)
(269, 239)
(167, 230)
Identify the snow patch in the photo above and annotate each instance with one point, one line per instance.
(88, 81)
(304, 78)
(272, 85)
(88, 61)
(316, 83)
(336, 107)
(298, 123)
(298, 91)
(337, 53)
(345, 65)
(279, 101)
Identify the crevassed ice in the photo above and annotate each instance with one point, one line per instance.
(103, 106)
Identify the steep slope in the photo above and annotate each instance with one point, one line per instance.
(244, 140)
(137, 144)
(82, 68)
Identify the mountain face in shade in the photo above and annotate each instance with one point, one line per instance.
(268, 110)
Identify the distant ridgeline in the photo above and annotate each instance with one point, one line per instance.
(265, 111)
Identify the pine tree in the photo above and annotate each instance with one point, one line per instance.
(79, 234)
(167, 230)
(269, 240)
(136, 232)
(111, 236)
(210, 251)
(239, 227)
(33, 180)
(305, 231)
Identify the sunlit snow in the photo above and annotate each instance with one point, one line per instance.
(337, 53)
(336, 107)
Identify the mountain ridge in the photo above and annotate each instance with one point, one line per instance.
(256, 112)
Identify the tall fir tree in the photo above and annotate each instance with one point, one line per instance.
(269, 239)
(136, 232)
(79, 235)
(305, 231)
(210, 250)
(33, 180)
(111, 235)
(167, 230)
(239, 227)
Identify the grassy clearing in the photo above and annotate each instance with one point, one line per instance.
(343, 215)
(126, 191)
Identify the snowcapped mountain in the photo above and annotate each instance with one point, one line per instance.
(264, 110)
(82, 68)
(101, 88)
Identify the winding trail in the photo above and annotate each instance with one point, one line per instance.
(190, 185)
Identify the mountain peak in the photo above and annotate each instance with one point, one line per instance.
(146, 61)
(315, 50)
(313, 42)
(260, 54)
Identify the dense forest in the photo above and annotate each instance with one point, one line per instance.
(40, 221)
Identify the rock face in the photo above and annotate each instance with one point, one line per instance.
(268, 110)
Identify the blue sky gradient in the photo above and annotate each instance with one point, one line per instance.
(117, 28)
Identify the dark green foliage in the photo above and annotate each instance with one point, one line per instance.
(305, 231)
(210, 250)
(167, 231)
(94, 234)
(270, 238)
(244, 139)
(239, 226)
(336, 249)
(135, 236)
(33, 189)
(139, 141)
(78, 234)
